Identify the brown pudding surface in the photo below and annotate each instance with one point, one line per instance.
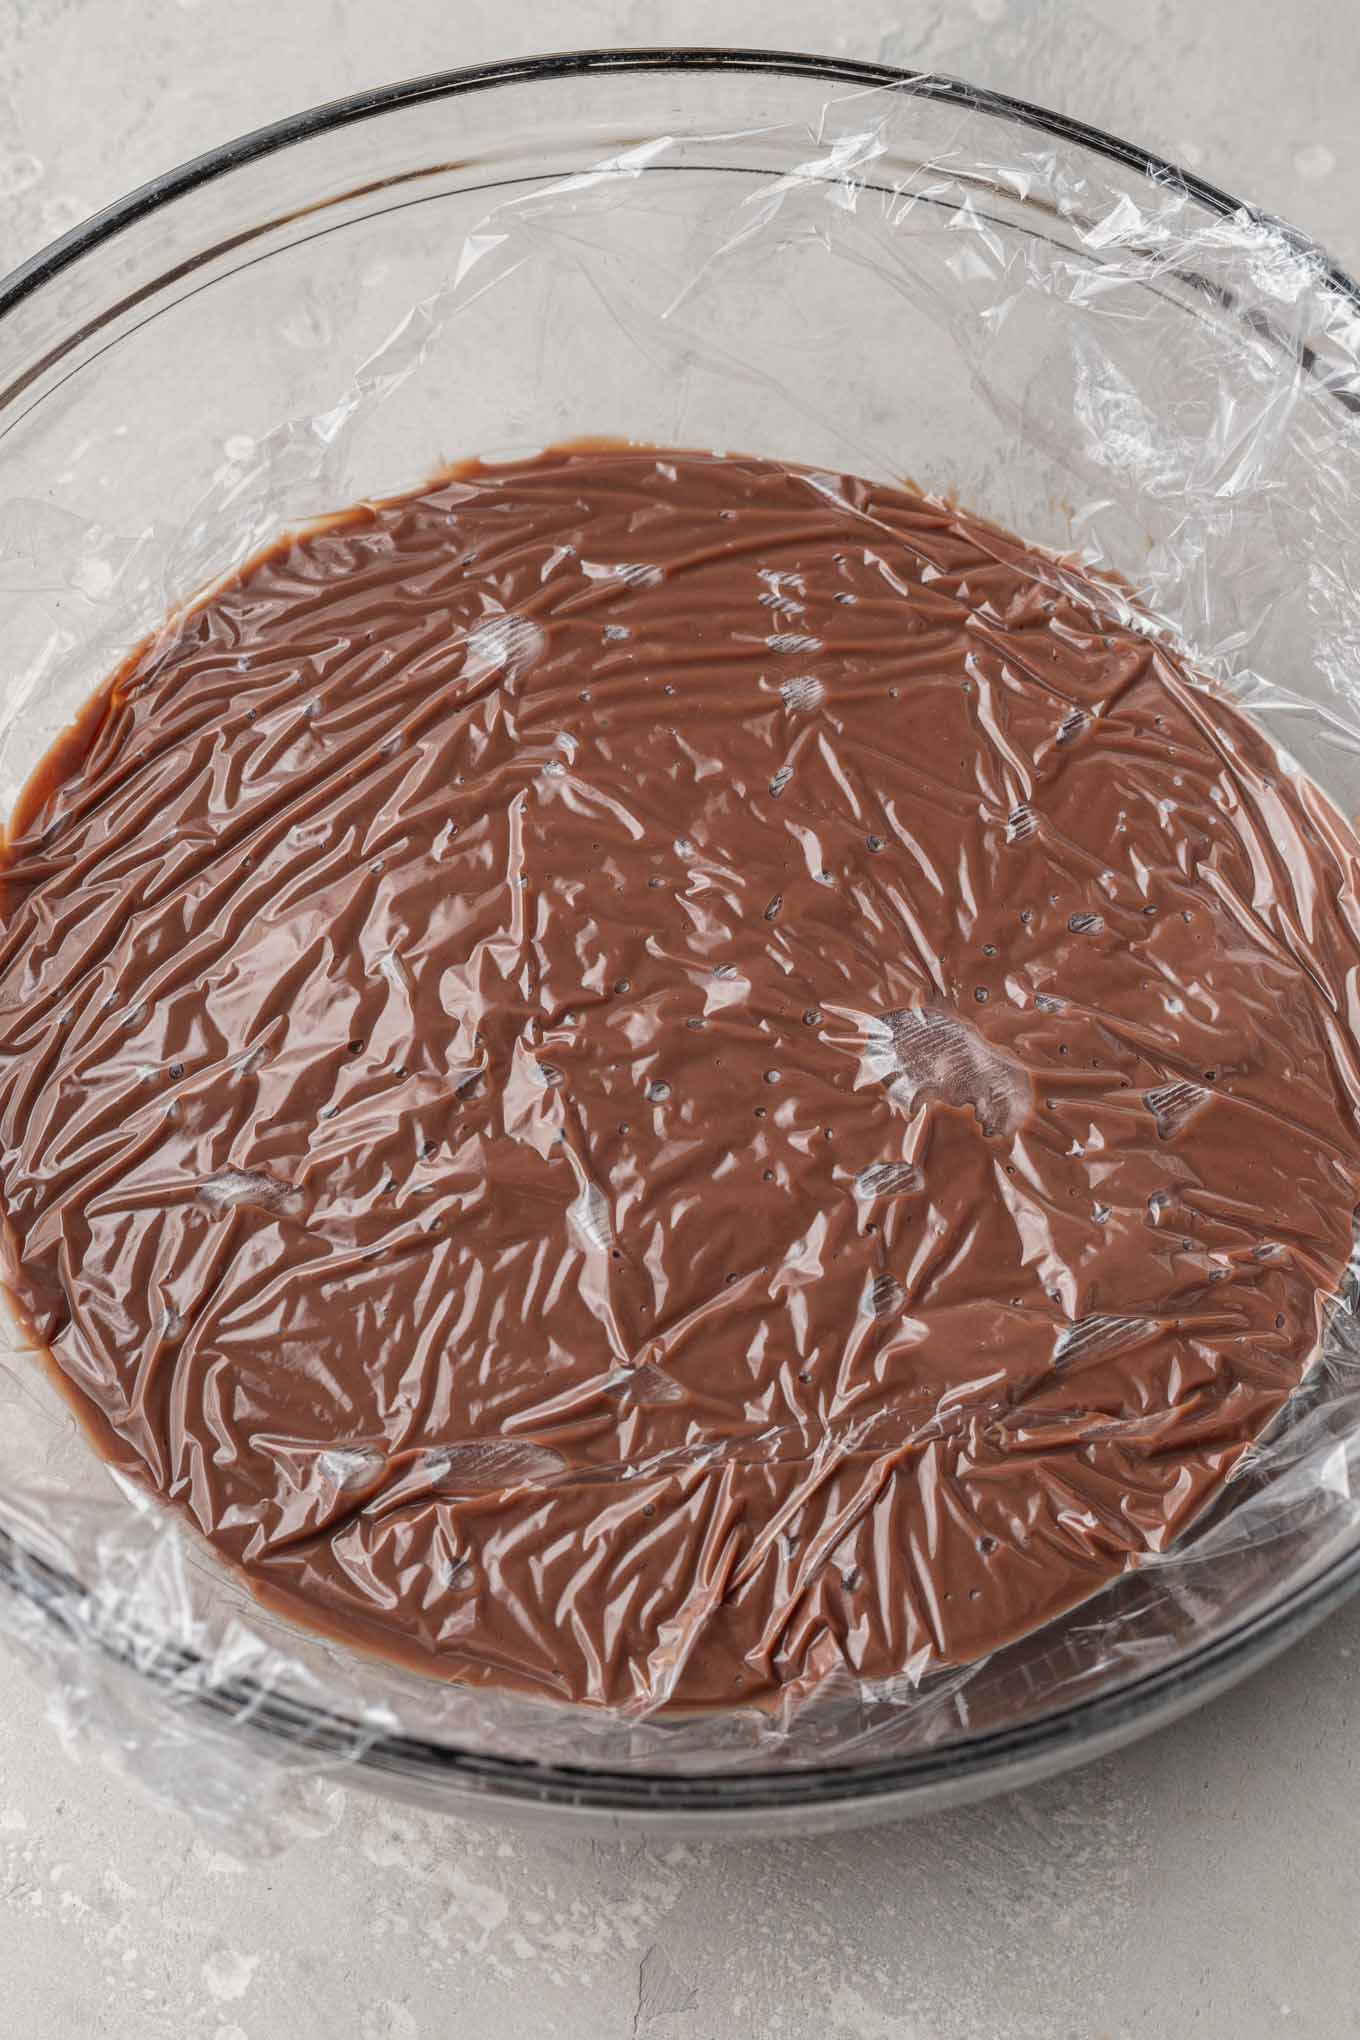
(642, 1072)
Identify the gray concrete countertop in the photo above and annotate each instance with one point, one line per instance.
(1205, 1881)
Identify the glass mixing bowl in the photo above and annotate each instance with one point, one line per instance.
(822, 261)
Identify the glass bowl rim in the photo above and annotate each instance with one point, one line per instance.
(1060, 1735)
(333, 114)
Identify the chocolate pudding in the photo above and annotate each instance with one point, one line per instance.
(640, 1073)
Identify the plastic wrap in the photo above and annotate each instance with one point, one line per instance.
(1208, 477)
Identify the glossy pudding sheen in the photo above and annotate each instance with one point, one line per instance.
(641, 1074)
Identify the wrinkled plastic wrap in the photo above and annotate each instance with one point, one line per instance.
(1189, 383)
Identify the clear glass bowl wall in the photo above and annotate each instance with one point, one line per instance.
(808, 261)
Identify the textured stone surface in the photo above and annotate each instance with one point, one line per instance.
(1207, 1880)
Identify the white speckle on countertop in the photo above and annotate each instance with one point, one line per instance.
(228, 1974)
(849, 2013)
(1316, 160)
(215, 1862)
(309, 325)
(662, 1991)
(388, 2020)
(19, 173)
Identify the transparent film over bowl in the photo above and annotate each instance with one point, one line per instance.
(889, 284)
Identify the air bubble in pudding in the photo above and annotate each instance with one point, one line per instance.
(927, 1052)
(646, 1384)
(1097, 1337)
(1173, 1105)
(884, 1296)
(232, 1187)
(804, 693)
(888, 1179)
(591, 1217)
(354, 1466)
(482, 1464)
(509, 642)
